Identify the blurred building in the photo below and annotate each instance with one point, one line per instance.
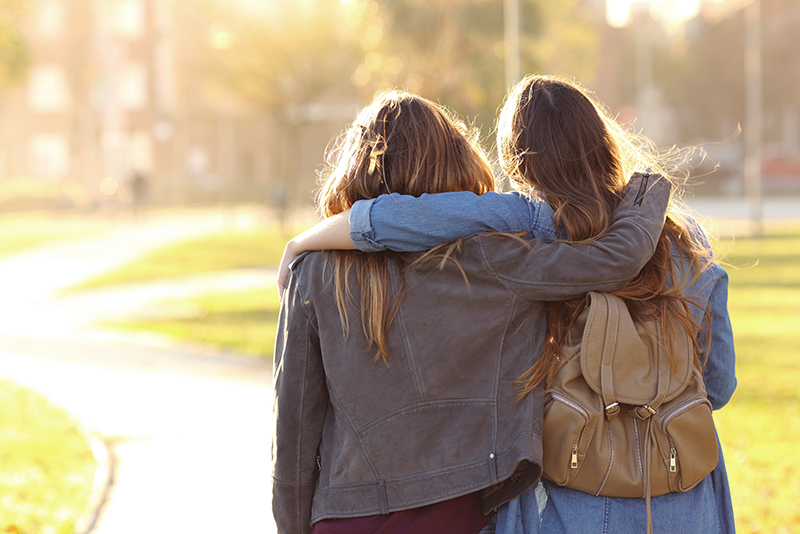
(113, 91)
(681, 75)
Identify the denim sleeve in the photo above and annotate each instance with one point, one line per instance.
(716, 334)
(405, 223)
(720, 368)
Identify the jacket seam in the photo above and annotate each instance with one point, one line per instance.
(503, 279)
(301, 409)
(425, 405)
(653, 242)
(418, 384)
(433, 473)
(358, 435)
(498, 366)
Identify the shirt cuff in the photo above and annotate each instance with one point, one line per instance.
(361, 233)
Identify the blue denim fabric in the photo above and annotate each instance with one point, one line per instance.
(551, 509)
(411, 224)
(406, 223)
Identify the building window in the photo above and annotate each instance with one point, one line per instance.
(48, 90)
(48, 156)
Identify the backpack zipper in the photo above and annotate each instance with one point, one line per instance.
(573, 464)
(673, 452)
(577, 407)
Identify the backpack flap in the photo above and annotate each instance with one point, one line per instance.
(622, 377)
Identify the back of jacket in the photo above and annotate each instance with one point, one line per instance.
(437, 421)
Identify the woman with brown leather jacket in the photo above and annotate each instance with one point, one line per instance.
(395, 409)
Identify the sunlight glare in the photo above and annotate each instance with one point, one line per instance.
(671, 12)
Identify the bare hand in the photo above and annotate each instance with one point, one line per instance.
(289, 254)
(332, 233)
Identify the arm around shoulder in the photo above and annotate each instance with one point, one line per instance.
(557, 270)
(332, 233)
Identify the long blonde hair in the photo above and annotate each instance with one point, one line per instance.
(399, 143)
(557, 142)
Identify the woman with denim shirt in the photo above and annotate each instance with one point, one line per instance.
(545, 105)
(394, 412)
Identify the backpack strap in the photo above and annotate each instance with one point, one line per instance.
(608, 314)
(608, 309)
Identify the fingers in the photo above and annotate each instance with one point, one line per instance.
(283, 269)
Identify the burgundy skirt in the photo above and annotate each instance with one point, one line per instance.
(462, 515)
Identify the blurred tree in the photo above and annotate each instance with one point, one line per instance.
(453, 51)
(448, 50)
(290, 55)
(14, 54)
(701, 77)
(285, 64)
(311, 61)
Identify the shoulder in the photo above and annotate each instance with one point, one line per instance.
(313, 267)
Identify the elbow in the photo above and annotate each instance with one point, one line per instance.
(722, 395)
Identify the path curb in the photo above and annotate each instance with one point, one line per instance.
(101, 484)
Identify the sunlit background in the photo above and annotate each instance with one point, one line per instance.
(206, 120)
(222, 101)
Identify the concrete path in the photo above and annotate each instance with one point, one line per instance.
(188, 430)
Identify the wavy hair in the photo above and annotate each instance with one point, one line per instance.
(399, 143)
(557, 142)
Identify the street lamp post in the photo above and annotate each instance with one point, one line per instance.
(752, 127)
(512, 42)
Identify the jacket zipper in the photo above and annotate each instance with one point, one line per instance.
(642, 188)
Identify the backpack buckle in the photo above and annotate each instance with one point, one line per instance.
(643, 412)
(612, 411)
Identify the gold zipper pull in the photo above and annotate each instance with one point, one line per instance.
(673, 464)
(574, 464)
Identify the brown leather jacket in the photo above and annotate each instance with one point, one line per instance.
(355, 437)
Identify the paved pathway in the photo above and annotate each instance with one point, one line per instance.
(188, 429)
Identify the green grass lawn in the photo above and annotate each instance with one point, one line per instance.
(242, 321)
(760, 428)
(232, 250)
(23, 231)
(46, 466)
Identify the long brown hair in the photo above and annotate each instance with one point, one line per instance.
(559, 143)
(399, 143)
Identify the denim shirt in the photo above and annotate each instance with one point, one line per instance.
(407, 223)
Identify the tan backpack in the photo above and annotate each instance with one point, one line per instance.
(617, 420)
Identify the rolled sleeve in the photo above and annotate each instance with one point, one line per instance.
(405, 223)
(361, 233)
